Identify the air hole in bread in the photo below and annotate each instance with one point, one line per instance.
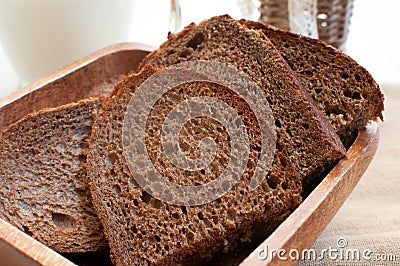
(82, 158)
(145, 197)
(358, 77)
(293, 67)
(27, 231)
(353, 95)
(333, 110)
(308, 73)
(259, 62)
(272, 182)
(215, 219)
(356, 95)
(185, 53)
(116, 189)
(111, 158)
(286, 45)
(183, 208)
(289, 133)
(344, 75)
(200, 215)
(318, 91)
(231, 215)
(157, 238)
(112, 173)
(157, 204)
(283, 161)
(63, 220)
(285, 185)
(135, 202)
(170, 52)
(134, 229)
(257, 147)
(196, 40)
(218, 201)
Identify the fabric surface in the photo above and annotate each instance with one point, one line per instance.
(366, 230)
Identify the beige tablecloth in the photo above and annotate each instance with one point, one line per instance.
(366, 230)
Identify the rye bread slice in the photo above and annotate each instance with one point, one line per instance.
(311, 141)
(142, 230)
(43, 180)
(344, 91)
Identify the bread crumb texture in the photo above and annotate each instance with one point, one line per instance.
(143, 230)
(44, 189)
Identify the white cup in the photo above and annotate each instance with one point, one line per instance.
(39, 36)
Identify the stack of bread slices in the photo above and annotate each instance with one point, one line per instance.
(66, 181)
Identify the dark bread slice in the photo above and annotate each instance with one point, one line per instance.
(311, 141)
(142, 230)
(344, 91)
(43, 178)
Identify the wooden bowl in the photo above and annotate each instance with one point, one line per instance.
(103, 68)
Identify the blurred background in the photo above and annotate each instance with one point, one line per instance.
(373, 38)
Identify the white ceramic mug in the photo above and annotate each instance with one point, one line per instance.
(39, 36)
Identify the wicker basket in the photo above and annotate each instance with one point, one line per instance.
(333, 18)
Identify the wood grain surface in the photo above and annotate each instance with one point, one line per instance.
(73, 82)
(17, 248)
